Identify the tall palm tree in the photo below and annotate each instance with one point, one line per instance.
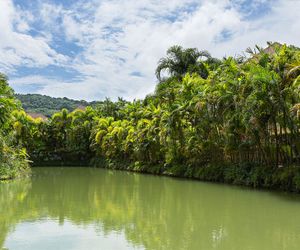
(180, 61)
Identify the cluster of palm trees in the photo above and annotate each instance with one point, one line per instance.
(204, 111)
(238, 111)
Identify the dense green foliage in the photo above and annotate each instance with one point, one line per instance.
(233, 120)
(12, 159)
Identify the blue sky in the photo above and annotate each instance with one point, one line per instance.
(92, 49)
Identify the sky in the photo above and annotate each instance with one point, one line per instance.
(92, 49)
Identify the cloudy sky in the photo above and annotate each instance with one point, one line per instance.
(92, 49)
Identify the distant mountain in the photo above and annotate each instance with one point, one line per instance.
(47, 106)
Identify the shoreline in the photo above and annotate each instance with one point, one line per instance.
(286, 179)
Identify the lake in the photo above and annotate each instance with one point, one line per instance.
(88, 208)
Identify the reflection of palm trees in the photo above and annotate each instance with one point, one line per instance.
(153, 212)
(12, 197)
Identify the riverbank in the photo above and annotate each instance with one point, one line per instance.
(250, 175)
(247, 174)
(7, 174)
(190, 126)
(13, 165)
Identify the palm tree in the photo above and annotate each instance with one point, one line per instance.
(180, 61)
(60, 124)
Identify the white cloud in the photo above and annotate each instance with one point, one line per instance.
(71, 235)
(118, 38)
(18, 48)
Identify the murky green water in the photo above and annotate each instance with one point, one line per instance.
(82, 208)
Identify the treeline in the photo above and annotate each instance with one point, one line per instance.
(233, 120)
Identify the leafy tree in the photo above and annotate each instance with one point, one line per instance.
(13, 159)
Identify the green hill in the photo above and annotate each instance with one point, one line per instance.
(46, 105)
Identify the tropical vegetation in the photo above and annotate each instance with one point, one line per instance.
(233, 120)
(13, 159)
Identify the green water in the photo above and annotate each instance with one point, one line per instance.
(84, 208)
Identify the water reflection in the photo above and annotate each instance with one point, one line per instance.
(101, 209)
